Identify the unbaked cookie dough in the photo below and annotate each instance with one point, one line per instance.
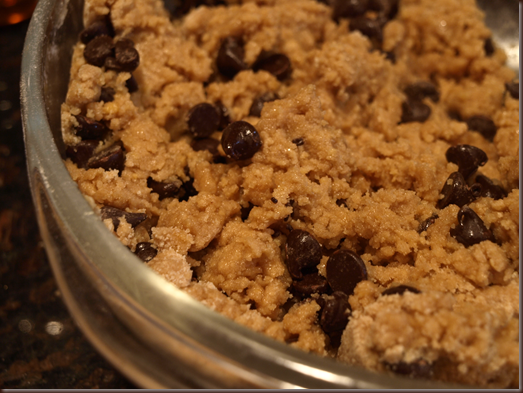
(341, 176)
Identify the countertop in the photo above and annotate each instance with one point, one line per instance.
(40, 345)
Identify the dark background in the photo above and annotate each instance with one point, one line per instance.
(40, 345)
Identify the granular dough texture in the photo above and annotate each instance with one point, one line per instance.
(340, 159)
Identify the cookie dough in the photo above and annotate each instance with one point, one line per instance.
(314, 170)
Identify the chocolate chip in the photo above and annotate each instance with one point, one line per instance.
(89, 128)
(165, 189)
(209, 144)
(468, 158)
(277, 64)
(98, 49)
(274, 200)
(413, 110)
(310, 284)
(298, 141)
(131, 84)
(187, 190)
(126, 55)
(97, 28)
(81, 152)
(203, 119)
(302, 251)
(240, 140)
(107, 94)
(484, 125)
(348, 8)
(513, 89)
(115, 214)
(145, 251)
(399, 290)
(110, 63)
(470, 229)
(335, 311)
(420, 368)
(455, 191)
(225, 119)
(230, 57)
(371, 28)
(488, 188)
(489, 47)
(388, 8)
(257, 103)
(427, 223)
(345, 269)
(419, 90)
(108, 159)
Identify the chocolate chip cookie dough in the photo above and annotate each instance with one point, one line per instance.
(342, 176)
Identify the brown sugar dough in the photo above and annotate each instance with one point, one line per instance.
(359, 179)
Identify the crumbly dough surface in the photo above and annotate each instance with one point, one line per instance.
(344, 100)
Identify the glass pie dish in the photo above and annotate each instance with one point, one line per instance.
(154, 333)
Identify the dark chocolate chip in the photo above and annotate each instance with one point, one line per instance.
(165, 189)
(468, 158)
(298, 141)
(427, 223)
(488, 188)
(302, 251)
(209, 144)
(419, 90)
(371, 28)
(258, 102)
(110, 158)
(107, 94)
(470, 229)
(145, 251)
(417, 369)
(89, 128)
(203, 119)
(240, 140)
(388, 8)
(489, 47)
(277, 64)
(455, 191)
(81, 152)
(400, 290)
(310, 284)
(413, 110)
(187, 190)
(126, 55)
(348, 8)
(225, 118)
(230, 57)
(345, 269)
(274, 200)
(484, 125)
(110, 63)
(513, 89)
(131, 84)
(115, 214)
(98, 49)
(97, 28)
(335, 312)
